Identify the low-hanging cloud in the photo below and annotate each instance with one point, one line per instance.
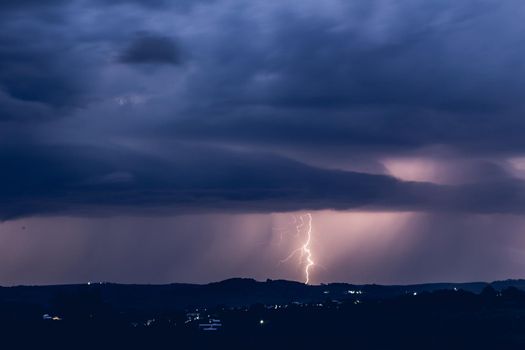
(86, 181)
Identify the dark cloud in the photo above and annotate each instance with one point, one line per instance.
(12, 109)
(152, 3)
(155, 4)
(86, 181)
(41, 74)
(151, 49)
(420, 76)
(300, 84)
(31, 76)
(29, 4)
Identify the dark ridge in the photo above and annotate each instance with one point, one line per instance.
(233, 292)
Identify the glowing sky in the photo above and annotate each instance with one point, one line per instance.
(159, 141)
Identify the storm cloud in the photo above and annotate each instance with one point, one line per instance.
(109, 107)
(151, 49)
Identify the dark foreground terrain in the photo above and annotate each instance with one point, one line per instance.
(245, 314)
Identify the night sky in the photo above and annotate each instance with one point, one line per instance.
(156, 141)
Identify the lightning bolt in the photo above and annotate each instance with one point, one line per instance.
(305, 249)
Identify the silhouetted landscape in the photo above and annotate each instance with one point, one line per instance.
(244, 313)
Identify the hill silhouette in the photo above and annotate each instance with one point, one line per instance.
(232, 292)
(247, 314)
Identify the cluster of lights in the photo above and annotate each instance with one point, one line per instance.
(354, 292)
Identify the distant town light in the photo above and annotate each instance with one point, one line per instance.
(354, 292)
(48, 317)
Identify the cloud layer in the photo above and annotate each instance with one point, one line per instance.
(109, 107)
